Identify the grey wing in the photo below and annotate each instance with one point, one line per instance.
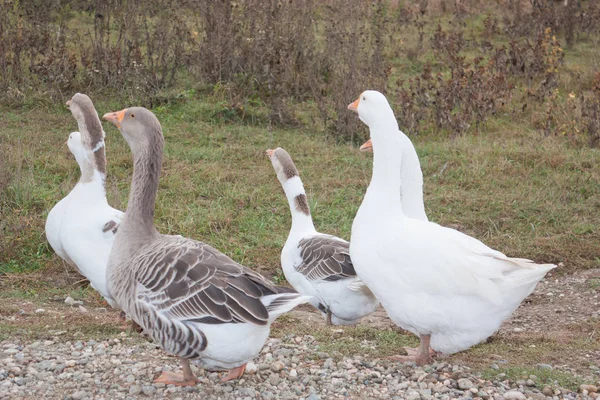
(193, 282)
(325, 258)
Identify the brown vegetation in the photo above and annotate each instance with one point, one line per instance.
(461, 68)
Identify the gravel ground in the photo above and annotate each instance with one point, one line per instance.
(293, 367)
(288, 368)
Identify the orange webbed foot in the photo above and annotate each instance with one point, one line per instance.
(174, 378)
(234, 373)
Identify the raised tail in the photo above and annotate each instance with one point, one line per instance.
(531, 273)
(278, 304)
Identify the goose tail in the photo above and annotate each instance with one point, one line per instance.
(529, 274)
(278, 304)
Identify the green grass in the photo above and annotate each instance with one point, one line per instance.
(525, 195)
(365, 340)
(541, 377)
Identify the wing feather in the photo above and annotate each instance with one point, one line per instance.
(193, 282)
(326, 258)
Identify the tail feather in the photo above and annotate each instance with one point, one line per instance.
(281, 303)
(531, 273)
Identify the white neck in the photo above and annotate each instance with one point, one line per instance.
(87, 167)
(411, 191)
(384, 189)
(301, 222)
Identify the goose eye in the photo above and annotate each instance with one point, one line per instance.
(364, 97)
(132, 116)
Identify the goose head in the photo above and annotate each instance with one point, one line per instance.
(138, 125)
(75, 145)
(76, 148)
(80, 105)
(374, 110)
(282, 164)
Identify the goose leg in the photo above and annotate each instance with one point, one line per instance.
(234, 373)
(187, 378)
(123, 320)
(421, 355)
(328, 320)
(133, 326)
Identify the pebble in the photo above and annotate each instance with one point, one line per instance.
(134, 390)
(589, 388)
(149, 390)
(544, 366)
(251, 368)
(514, 395)
(465, 384)
(79, 395)
(276, 366)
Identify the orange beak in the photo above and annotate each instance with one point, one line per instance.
(354, 106)
(270, 152)
(367, 146)
(115, 118)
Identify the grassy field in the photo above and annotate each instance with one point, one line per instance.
(526, 195)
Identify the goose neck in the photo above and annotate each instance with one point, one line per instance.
(299, 208)
(386, 180)
(92, 137)
(139, 218)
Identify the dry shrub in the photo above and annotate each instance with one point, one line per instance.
(276, 52)
(458, 92)
(273, 55)
(573, 115)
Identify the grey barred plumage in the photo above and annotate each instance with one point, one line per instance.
(325, 257)
(180, 282)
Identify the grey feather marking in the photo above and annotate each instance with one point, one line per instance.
(197, 283)
(289, 169)
(325, 258)
(110, 226)
(302, 204)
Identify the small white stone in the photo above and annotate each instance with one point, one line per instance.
(251, 368)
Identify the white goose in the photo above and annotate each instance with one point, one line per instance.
(444, 286)
(82, 226)
(316, 264)
(194, 301)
